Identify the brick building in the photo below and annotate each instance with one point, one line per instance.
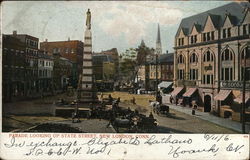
(208, 58)
(13, 67)
(71, 50)
(28, 61)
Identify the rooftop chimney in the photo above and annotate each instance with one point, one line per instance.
(167, 51)
(46, 40)
(14, 33)
(69, 39)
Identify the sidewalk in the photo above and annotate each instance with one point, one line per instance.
(227, 123)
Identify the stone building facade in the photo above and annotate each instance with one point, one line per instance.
(208, 54)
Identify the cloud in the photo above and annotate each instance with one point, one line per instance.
(131, 19)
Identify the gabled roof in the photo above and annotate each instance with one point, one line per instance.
(164, 58)
(217, 15)
(197, 27)
(184, 30)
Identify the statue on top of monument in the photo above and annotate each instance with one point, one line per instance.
(88, 20)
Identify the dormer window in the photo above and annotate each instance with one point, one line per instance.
(229, 32)
(208, 36)
(224, 33)
(244, 29)
(212, 35)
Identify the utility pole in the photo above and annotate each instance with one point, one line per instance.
(156, 86)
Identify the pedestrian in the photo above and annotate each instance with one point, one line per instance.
(176, 101)
(193, 109)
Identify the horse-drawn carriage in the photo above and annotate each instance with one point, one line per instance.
(159, 108)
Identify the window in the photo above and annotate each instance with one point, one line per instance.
(180, 74)
(192, 41)
(193, 58)
(181, 59)
(244, 29)
(193, 74)
(208, 36)
(195, 38)
(245, 51)
(208, 57)
(229, 32)
(212, 35)
(227, 74)
(224, 33)
(227, 55)
(204, 37)
(208, 79)
(54, 50)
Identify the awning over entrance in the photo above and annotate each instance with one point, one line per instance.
(222, 95)
(239, 98)
(165, 84)
(176, 91)
(189, 92)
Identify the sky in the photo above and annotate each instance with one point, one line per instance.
(115, 24)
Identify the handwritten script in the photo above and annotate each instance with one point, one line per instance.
(172, 145)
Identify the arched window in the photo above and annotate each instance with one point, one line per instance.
(245, 51)
(208, 57)
(193, 58)
(227, 55)
(181, 59)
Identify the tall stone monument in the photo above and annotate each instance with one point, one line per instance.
(87, 92)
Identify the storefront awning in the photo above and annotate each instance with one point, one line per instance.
(189, 92)
(222, 95)
(239, 98)
(165, 84)
(176, 91)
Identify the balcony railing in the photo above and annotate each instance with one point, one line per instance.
(234, 84)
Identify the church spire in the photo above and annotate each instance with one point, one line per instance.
(158, 49)
(142, 43)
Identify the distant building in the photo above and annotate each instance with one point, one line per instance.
(14, 77)
(165, 70)
(71, 50)
(104, 71)
(45, 73)
(208, 59)
(29, 72)
(62, 73)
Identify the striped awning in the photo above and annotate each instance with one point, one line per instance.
(222, 95)
(239, 98)
(189, 92)
(176, 91)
